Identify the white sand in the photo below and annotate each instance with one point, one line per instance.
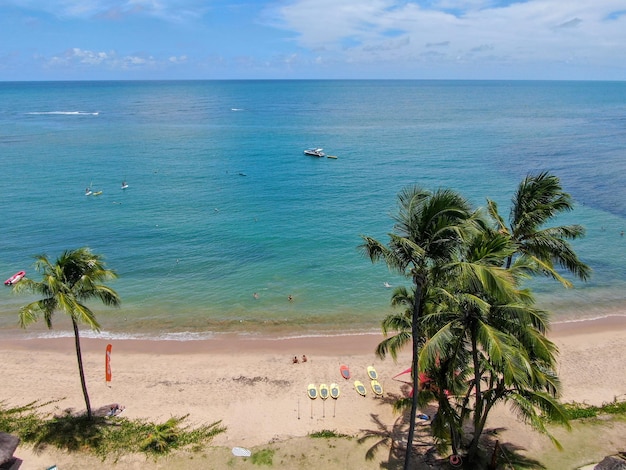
(256, 390)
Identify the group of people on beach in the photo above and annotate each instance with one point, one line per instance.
(296, 361)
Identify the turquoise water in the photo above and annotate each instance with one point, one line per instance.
(222, 203)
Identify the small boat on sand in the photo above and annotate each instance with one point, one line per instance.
(17, 277)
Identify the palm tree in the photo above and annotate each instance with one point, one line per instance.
(537, 201)
(490, 334)
(429, 228)
(76, 276)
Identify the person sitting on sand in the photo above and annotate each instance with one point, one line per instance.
(295, 359)
(304, 359)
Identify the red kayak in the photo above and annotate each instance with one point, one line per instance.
(17, 277)
(345, 372)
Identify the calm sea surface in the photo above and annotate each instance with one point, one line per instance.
(222, 203)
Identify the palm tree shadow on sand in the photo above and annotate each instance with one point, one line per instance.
(494, 454)
(394, 439)
(507, 455)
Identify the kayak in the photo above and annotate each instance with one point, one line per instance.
(17, 277)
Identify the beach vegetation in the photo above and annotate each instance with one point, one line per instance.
(329, 434)
(582, 410)
(76, 277)
(263, 457)
(477, 337)
(106, 437)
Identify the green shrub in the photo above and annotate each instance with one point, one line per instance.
(327, 434)
(263, 457)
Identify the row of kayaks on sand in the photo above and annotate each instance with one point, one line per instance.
(333, 391)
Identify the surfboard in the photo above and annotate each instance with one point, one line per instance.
(324, 392)
(360, 388)
(241, 452)
(371, 372)
(311, 391)
(345, 371)
(334, 391)
(377, 388)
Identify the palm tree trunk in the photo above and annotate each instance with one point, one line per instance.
(509, 260)
(79, 356)
(478, 401)
(417, 302)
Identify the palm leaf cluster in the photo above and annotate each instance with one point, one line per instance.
(475, 331)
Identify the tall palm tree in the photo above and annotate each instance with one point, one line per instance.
(493, 330)
(75, 277)
(538, 200)
(429, 228)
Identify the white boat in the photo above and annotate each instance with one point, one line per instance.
(315, 152)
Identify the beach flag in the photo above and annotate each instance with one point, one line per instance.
(107, 364)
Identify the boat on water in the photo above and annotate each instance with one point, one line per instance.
(315, 152)
(124, 185)
(17, 277)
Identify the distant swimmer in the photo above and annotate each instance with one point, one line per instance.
(387, 285)
(290, 298)
(255, 295)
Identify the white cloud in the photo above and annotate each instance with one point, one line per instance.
(533, 30)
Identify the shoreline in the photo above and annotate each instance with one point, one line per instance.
(355, 342)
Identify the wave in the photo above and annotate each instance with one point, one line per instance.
(64, 113)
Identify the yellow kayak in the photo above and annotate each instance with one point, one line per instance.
(324, 392)
(334, 391)
(311, 391)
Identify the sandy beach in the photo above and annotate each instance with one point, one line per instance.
(254, 387)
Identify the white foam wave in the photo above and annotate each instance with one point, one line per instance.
(64, 113)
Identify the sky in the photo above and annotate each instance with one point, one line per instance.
(316, 39)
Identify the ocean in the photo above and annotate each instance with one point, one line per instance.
(222, 203)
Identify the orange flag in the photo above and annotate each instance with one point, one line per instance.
(107, 363)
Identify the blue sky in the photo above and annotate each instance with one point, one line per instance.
(293, 39)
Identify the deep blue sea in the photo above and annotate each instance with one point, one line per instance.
(222, 202)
